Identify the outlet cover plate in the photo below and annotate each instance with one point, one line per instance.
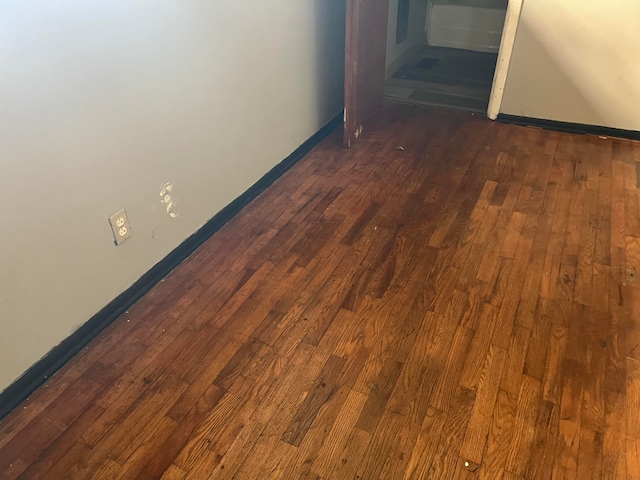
(120, 226)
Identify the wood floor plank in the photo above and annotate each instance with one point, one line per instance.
(378, 397)
(448, 382)
(512, 304)
(322, 389)
(382, 441)
(398, 456)
(162, 459)
(299, 463)
(480, 421)
(633, 456)
(61, 446)
(590, 454)
(443, 464)
(464, 307)
(570, 415)
(541, 463)
(217, 421)
(516, 357)
(524, 426)
(479, 349)
(425, 447)
(552, 380)
(614, 459)
(500, 434)
(339, 435)
(536, 359)
(633, 398)
(352, 455)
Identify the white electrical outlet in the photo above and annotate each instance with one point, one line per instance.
(120, 226)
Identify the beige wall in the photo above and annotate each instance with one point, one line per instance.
(417, 35)
(577, 61)
(103, 102)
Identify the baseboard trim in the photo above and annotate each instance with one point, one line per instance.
(45, 368)
(568, 127)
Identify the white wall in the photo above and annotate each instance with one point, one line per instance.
(473, 26)
(416, 35)
(102, 102)
(577, 61)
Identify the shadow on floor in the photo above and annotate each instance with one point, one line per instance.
(444, 77)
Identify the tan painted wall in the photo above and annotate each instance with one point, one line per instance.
(102, 102)
(577, 61)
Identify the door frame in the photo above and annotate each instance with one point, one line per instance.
(365, 53)
(514, 9)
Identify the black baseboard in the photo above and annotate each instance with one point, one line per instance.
(570, 127)
(40, 372)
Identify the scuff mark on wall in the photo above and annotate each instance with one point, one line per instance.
(168, 200)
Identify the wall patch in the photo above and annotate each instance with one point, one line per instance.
(168, 200)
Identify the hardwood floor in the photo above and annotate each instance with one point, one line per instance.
(464, 307)
(444, 77)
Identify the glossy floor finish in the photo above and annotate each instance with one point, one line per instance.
(465, 306)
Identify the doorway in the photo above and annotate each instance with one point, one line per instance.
(445, 53)
(451, 59)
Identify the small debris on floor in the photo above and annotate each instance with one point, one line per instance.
(630, 276)
(400, 148)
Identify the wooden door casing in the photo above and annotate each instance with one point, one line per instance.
(365, 55)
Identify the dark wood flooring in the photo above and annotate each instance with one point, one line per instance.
(444, 77)
(465, 307)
